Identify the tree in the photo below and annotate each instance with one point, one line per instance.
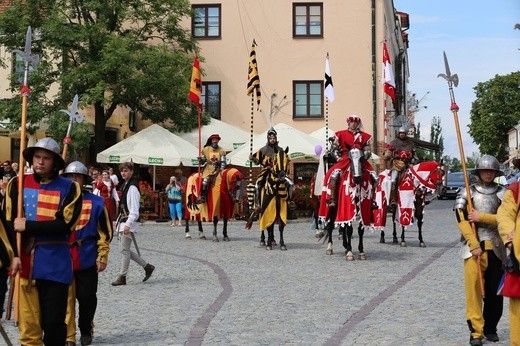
(494, 112)
(436, 138)
(132, 54)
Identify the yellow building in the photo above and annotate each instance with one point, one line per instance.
(293, 39)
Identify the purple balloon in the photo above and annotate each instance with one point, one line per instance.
(318, 149)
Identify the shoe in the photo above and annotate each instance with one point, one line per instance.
(70, 343)
(493, 337)
(475, 341)
(148, 270)
(85, 340)
(121, 280)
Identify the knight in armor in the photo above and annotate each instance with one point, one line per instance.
(213, 157)
(263, 157)
(482, 313)
(344, 141)
(401, 152)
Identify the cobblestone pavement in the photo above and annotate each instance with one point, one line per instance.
(237, 293)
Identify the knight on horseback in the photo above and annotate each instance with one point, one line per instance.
(269, 150)
(214, 158)
(401, 151)
(344, 141)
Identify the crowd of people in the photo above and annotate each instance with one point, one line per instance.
(69, 218)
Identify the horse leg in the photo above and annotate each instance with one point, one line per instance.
(201, 232)
(403, 242)
(348, 243)
(224, 230)
(187, 234)
(382, 239)
(282, 243)
(329, 229)
(215, 222)
(394, 223)
(361, 233)
(419, 227)
(262, 238)
(270, 237)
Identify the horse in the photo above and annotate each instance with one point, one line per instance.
(354, 201)
(413, 185)
(272, 206)
(226, 190)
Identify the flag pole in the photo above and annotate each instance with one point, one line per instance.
(453, 80)
(29, 59)
(253, 87)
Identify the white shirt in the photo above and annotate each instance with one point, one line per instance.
(133, 199)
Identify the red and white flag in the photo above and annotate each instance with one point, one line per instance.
(388, 74)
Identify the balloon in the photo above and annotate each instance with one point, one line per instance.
(318, 149)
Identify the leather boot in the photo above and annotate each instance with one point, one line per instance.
(333, 186)
(148, 270)
(121, 280)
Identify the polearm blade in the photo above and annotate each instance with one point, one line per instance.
(29, 60)
(73, 116)
(453, 80)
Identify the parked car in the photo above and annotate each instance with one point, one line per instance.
(452, 184)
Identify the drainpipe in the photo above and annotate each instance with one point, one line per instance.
(374, 82)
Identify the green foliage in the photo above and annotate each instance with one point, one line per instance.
(112, 54)
(494, 112)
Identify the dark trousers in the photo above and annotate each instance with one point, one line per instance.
(86, 294)
(493, 303)
(52, 297)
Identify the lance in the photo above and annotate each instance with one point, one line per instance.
(453, 80)
(29, 60)
(73, 116)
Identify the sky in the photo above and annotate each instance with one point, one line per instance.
(480, 42)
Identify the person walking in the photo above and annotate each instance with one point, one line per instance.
(89, 247)
(174, 193)
(482, 252)
(52, 208)
(128, 225)
(508, 221)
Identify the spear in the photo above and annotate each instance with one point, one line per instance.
(29, 60)
(453, 80)
(73, 116)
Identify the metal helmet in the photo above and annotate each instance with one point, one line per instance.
(51, 146)
(488, 162)
(76, 167)
(272, 132)
(402, 129)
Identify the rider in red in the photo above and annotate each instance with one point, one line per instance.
(344, 141)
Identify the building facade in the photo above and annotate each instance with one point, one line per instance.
(292, 39)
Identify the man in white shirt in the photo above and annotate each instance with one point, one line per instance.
(127, 225)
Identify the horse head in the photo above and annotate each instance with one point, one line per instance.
(235, 184)
(355, 156)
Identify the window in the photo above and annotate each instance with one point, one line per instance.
(205, 22)
(308, 20)
(211, 98)
(308, 97)
(18, 68)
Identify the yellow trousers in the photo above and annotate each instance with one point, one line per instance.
(474, 303)
(70, 318)
(29, 315)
